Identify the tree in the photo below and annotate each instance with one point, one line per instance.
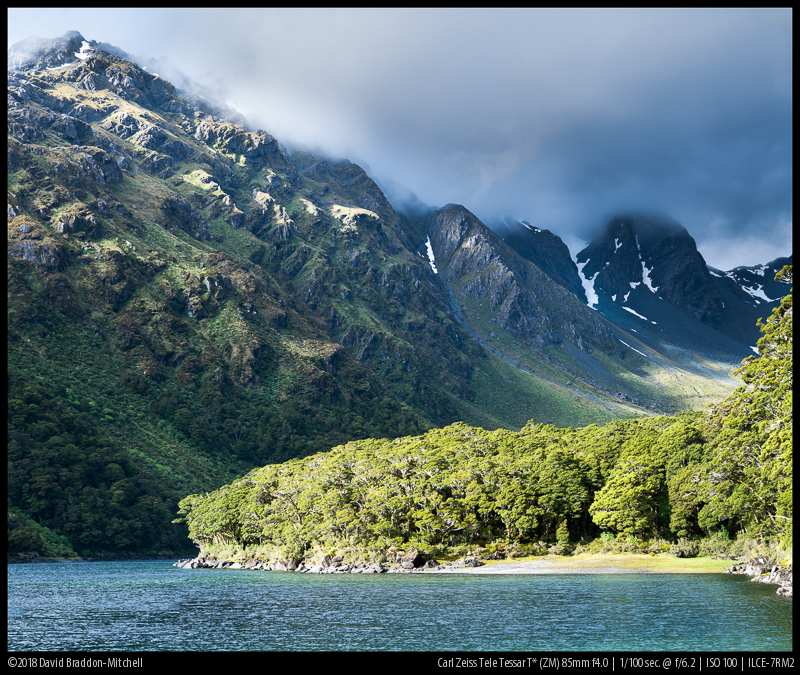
(749, 477)
(627, 503)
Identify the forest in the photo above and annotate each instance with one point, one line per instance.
(724, 472)
(72, 488)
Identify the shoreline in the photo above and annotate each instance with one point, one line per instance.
(603, 563)
(627, 563)
(584, 563)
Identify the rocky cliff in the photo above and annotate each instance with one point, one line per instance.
(653, 255)
(544, 249)
(521, 297)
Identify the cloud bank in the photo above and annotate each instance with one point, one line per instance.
(559, 117)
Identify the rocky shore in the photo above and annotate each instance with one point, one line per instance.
(413, 562)
(767, 573)
(404, 564)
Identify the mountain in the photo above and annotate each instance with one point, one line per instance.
(747, 292)
(544, 249)
(654, 256)
(188, 298)
(645, 271)
(521, 295)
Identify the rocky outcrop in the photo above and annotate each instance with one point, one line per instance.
(404, 564)
(748, 294)
(344, 177)
(766, 572)
(34, 52)
(545, 250)
(78, 219)
(177, 212)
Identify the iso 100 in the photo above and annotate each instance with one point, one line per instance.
(713, 662)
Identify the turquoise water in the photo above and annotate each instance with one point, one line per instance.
(152, 606)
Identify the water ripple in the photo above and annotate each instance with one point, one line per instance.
(136, 606)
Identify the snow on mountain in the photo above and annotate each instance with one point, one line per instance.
(83, 54)
(756, 281)
(628, 309)
(645, 270)
(633, 348)
(588, 286)
(431, 259)
(756, 292)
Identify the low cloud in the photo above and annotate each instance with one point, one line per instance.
(558, 117)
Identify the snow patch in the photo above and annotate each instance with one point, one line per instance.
(617, 243)
(646, 277)
(531, 227)
(645, 270)
(431, 259)
(588, 285)
(757, 293)
(628, 309)
(633, 348)
(83, 54)
(574, 244)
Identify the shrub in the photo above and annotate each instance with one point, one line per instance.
(685, 548)
(742, 547)
(716, 544)
(517, 550)
(460, 550)
(562, 534)
(559, 549)
(656, 546)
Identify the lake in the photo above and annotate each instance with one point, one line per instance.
(137, 606)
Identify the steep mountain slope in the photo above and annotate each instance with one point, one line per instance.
(141, 295)
(657, 255)
(645, 273)
(524, 299)
(748, 294)
(544, 249)
(513, 308)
